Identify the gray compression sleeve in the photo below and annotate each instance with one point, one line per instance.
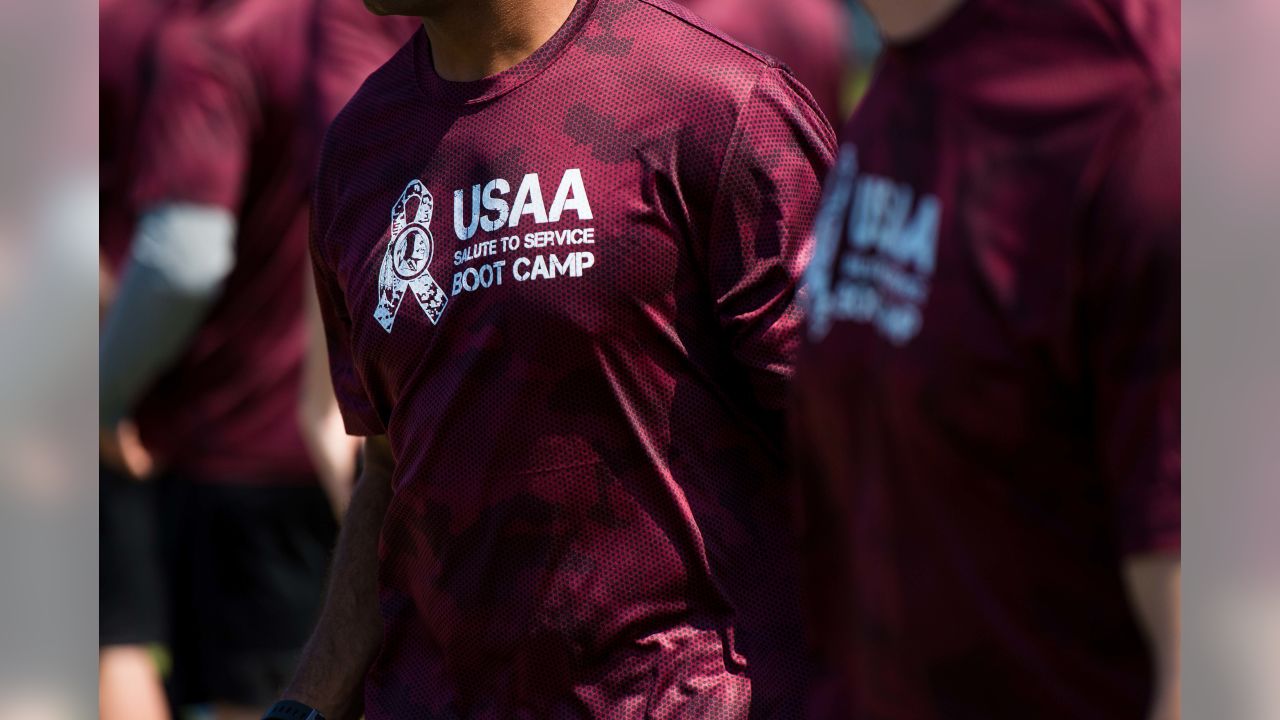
(181, 256)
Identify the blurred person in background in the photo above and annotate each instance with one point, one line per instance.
(987, 408)
(567, 507)
(132, 593)
(204, 340)
(348, 43)
(810, 36)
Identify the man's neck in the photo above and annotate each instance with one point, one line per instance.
(476, 39)
(906, 20)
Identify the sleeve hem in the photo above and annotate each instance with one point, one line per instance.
(1154, 543)
(361, 425)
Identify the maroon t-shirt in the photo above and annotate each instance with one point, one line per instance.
(566, 295)
(221, 129)
(810, 36)
(987, 415)
(127, 31)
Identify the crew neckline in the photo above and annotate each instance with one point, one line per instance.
(471, 92)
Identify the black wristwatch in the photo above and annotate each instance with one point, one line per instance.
(292, 710)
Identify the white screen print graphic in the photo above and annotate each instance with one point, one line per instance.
(408, 259)
(874, 253)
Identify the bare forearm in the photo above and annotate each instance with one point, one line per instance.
(1153, 588)
(331, 673)
(332, 451)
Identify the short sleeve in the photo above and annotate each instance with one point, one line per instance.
(1132, 330)
(759, 237)
(358, 412)
(198, 125)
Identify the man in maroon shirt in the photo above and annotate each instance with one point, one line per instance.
(987, 409)
(204, 343)
(131, 585)
(556, 248)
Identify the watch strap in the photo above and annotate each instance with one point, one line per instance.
(292, 710)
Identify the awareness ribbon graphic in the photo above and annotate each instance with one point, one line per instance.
(405, 266)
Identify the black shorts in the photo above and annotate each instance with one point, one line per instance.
(132, 592)
(246, 568)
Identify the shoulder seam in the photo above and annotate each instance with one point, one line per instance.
(747, 50)
(734, 138)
